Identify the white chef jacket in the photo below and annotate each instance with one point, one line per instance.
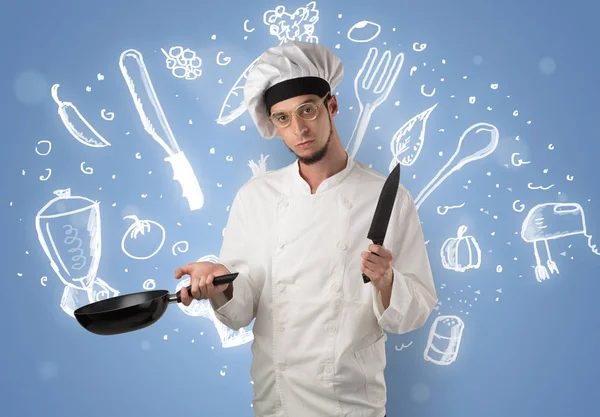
(319, 330)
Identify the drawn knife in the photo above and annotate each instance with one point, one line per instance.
(383, 211)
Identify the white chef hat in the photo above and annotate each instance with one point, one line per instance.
(292, 69)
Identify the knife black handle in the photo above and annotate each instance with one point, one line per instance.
(366, 279)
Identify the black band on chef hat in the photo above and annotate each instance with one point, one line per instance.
(295, 87)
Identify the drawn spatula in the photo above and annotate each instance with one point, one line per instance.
(383, 211)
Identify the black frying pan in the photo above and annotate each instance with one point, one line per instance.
(130, 312)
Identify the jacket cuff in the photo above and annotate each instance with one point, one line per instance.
(399, 302)
(222, 307)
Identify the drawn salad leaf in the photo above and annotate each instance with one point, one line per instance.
(409, 139)
(234, 105)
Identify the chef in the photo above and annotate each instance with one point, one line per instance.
(297, 238)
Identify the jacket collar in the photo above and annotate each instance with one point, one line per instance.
(300, 186)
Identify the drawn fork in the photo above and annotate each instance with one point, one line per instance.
(372, 95)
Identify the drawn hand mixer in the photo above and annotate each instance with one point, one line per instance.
(549, 221)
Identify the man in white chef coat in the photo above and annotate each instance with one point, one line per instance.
(297, 238)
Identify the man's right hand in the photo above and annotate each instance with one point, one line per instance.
(201, 278)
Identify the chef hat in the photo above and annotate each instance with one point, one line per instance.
(292, 69)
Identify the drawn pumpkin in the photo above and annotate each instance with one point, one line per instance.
(461, 252)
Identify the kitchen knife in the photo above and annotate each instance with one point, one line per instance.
(383, 211)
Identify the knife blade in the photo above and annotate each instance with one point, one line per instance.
(383, 211)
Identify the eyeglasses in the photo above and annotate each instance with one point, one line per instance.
(306, 111)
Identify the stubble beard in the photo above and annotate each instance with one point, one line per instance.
(317, 155)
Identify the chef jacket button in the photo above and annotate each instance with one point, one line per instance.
(282, 366)
(342, 246)
(331, 329)
(328, 369)
(336, 287)
(280, 286)
(280, 246)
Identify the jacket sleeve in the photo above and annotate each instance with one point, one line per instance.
(236, 255)
(413, 290)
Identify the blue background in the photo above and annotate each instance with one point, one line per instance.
(528, 348)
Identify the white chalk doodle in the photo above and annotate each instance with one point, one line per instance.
(427, 94)
(442, 211)
(43, 280)
(539, 187)
(472, 146)
(152, 235)
(519, 162)
(234, 105)
(569, 178)
(47, 176)
(402, 347)
(403, 142)
(107, 115)
(149, 285)
(70, 115)
(299, 25)
(74, 298)
(86, 170)
(246, 27)
(49, 147)
(202, 308)
(260, 168)
(182, 247)
(363, 27)
(371, 96)
(225, 61)
(444, 339)
(461, 252)
(412, 70)
(131, 63)
(521, 207)
(548, 221)
(68, 230)
(419, 47)
(183, 63)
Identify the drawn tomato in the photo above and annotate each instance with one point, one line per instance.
(149, 233)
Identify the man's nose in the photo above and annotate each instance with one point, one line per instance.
(298, 125)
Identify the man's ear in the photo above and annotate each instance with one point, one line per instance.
(332, 104)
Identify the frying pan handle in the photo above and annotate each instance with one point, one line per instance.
(366, 279)
(220, 280)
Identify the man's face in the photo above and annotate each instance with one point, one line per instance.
(307, 139)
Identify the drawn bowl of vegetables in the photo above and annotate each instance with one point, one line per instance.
(144, 236)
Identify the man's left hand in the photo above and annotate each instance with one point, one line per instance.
(378, 266)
